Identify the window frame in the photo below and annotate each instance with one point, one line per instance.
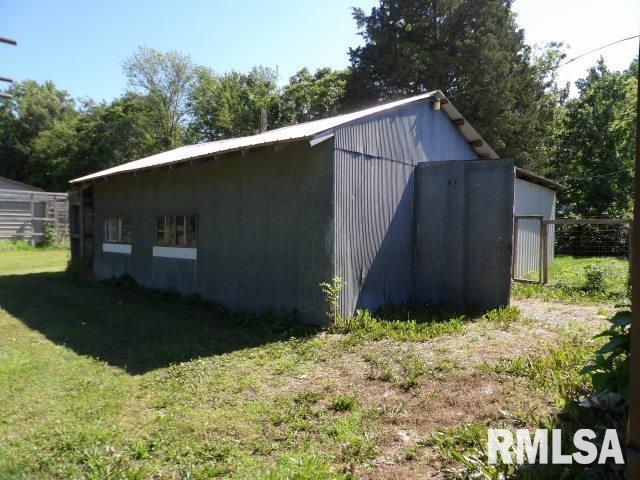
(172, 229)
(120, 222)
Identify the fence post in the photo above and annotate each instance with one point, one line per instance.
(514, 253)
(55, 220)
(33, 222)
(544, 250)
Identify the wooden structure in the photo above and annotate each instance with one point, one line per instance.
(27, 214)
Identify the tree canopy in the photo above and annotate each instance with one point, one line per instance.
(475, 53)
(594, 144)
(473, 50)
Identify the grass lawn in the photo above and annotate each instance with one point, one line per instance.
(104, 382)
(567, 279)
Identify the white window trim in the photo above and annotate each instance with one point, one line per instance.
(111, 247)
(186, 253)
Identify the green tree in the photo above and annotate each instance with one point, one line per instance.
(33, 109)
(166, 80)
(475, 53)
(310, 97)
(100, 136)
(229, 105)
(595, 142)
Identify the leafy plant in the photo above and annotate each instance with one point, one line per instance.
(332, 293)
(49, 237)
(609, 369)
(594, 278)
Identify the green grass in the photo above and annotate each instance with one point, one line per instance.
(32, 260)
(22, 245)
(567, 281)
(402, 323)
(112, 381)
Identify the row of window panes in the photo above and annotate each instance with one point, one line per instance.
(117, 230)
(178, 230)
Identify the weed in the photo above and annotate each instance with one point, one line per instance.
(344, 403)
(568, 281)
(609, 369)
(558, 370)
(503, 317)
(364, 324)
(332, 293)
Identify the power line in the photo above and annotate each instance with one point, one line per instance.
(550, 69)
(596, 49)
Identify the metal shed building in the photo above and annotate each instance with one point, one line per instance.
(533, 196)
(404, 201)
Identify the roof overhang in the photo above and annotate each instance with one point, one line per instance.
(531, 177)
(315, 132)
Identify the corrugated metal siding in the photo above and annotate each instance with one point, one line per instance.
(374, 181)
(463, 233)
(374, 219)
(411, 134)
(265, 229)
(532, 199)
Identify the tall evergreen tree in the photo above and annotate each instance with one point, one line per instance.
(475, 53)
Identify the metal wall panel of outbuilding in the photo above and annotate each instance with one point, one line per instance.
(532, 199)
(375, 164)
(265, 228)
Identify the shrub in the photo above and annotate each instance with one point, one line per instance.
(594, 278)
(49, 237)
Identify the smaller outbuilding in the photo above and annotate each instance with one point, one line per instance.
(404, 201)
(25, 210)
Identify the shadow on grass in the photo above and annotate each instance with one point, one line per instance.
(133, 329)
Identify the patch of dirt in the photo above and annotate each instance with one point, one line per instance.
(561, 314)
(463, 395)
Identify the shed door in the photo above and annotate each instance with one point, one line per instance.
(463, 233)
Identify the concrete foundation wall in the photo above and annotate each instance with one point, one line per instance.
(265, 228)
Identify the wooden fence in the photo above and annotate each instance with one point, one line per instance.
(29, 215)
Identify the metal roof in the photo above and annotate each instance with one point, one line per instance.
(529, 176)
(318, 129)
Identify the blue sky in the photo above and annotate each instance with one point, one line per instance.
(80, 44)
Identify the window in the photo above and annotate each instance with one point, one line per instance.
(177, 231)
(117, 230)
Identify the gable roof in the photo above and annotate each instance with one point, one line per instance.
(317, 129)
(19, 184)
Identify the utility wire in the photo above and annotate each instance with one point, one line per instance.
(596, 49)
